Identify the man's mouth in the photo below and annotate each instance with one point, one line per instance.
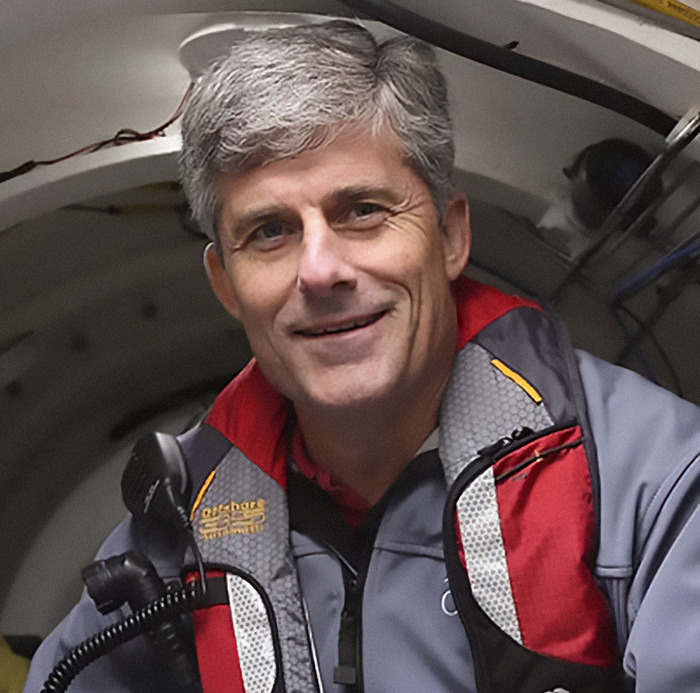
(349, 326)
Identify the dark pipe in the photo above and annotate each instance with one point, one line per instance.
(516, 64)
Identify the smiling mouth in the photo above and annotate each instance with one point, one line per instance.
(343, 327)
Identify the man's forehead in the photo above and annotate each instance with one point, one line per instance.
(344, 169)
(338, 141)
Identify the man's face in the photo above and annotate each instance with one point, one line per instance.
(336, 265)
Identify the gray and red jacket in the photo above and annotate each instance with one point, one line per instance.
(542, 543)
(520, 523)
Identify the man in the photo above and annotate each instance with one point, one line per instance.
(416, 485)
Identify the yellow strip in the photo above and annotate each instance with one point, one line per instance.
(518, 380)
(201, 494)
(672, 8)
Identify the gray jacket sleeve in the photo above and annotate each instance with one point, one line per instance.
(130, 667)
(648, 444)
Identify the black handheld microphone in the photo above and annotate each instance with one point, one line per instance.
(155, 481)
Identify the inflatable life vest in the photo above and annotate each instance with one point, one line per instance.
(520, 521)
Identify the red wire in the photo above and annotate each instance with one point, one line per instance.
(123, 136)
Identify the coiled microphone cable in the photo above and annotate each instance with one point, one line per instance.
(170, 605)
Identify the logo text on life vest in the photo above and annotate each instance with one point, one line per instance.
(230, 518)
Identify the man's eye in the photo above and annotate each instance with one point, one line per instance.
(363, 209)
(270, 235)
(366, 214)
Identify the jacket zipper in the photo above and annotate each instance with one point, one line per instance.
(348, 671)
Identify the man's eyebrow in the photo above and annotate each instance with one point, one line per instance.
(252, 218)
(352, 192)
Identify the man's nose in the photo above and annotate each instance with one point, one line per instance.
(323, 264)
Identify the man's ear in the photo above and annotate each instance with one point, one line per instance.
(456, 235)
(220, 280)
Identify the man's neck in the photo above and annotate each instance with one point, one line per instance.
(368, 449)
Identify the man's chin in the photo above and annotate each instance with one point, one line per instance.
(354, 398)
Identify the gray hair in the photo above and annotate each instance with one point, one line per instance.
(282, 91)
